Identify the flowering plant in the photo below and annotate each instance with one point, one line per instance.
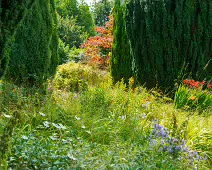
(194, 95)
(196, 84)
(163, 142)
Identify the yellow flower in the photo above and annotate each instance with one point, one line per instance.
(193, 98)
(131, 82)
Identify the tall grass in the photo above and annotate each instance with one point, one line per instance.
(104, 126)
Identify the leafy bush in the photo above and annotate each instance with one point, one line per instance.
(13, 99)
(76, 77)
(63, 52)
(98, 48)
(66, 54)
(76, 55)
(69, 32)
(40, 152)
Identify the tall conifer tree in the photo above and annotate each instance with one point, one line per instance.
(121, 61)
(167, 36)
(30, 47)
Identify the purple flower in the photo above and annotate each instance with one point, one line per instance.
(178, 148)
(153, 142)
(170, 150)
(162, 142)
(160, 131)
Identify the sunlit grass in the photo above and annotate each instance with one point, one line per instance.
(104, 126)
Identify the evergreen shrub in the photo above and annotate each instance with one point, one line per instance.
(121, 59)
(168, 36)
(30, 42)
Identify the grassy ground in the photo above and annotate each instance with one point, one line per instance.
(98, 125)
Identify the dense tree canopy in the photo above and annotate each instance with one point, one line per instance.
(80, 11)
(71, 33)
(101, 11)
(85, 18)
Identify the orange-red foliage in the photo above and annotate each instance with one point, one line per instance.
(99, 47)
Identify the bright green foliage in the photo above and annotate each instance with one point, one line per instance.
(71, 33)
(85, 19)
(166, 36)
(101, 125)
(63, 52)
(79, 11)
(67, 8)
(66, 54)
(75, 25)
(31, 44)
(77, 55)
(121, 60)
(101, 11)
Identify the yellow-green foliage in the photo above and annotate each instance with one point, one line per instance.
(99, 126)
(77, 76)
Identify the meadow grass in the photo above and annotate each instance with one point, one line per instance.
(103, 126)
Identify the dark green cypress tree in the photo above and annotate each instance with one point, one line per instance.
(9, 19)
(0, 18)
(1, 39)
(31, 49)
(165, 36)
(121, 60)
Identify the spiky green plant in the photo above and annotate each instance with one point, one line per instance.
(193, 99)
